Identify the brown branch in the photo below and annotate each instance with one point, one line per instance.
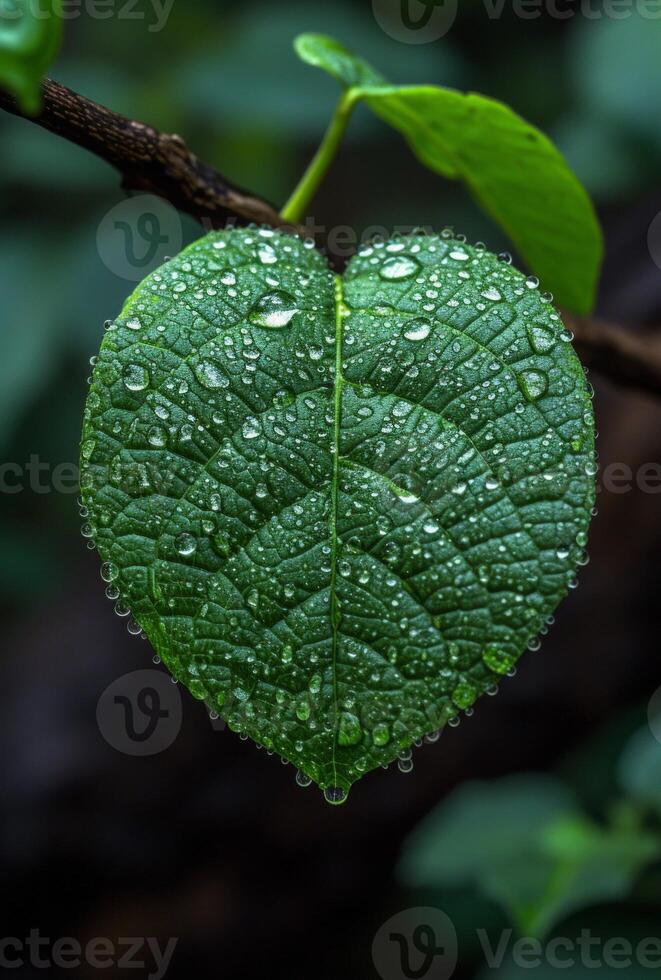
(148, 160)
(625, 356)
(161, 163)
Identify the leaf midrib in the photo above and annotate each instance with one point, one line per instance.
(335, 492)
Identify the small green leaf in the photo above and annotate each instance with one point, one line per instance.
(514, 172)
(30, 33)
(338, 507)
(591, 864)
(523, 841)
(325, 52)
(482, 827)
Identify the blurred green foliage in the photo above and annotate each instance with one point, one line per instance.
(30, 33)
(536, 847)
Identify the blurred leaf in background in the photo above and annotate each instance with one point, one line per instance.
(525, 842)
(639, 769)
(490, 835)
(30, 33)
(611, 134)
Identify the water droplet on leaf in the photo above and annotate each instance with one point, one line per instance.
(533, 384)
(210, 376)
(542, 339)
(350, 732)
(186, 544)
(109, 572)
(136, 377)
(399, 267)
(381, 734)
(274, 310)
(335, 795)
(418, 329)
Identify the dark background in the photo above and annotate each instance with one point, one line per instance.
(210, 840)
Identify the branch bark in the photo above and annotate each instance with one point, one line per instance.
(162, 164)
(148, 160)
(625, 356)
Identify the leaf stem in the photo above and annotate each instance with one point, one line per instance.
(295, 209)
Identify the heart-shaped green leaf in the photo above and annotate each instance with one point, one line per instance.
(338, 507)
(30, 33)
(511, 168)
